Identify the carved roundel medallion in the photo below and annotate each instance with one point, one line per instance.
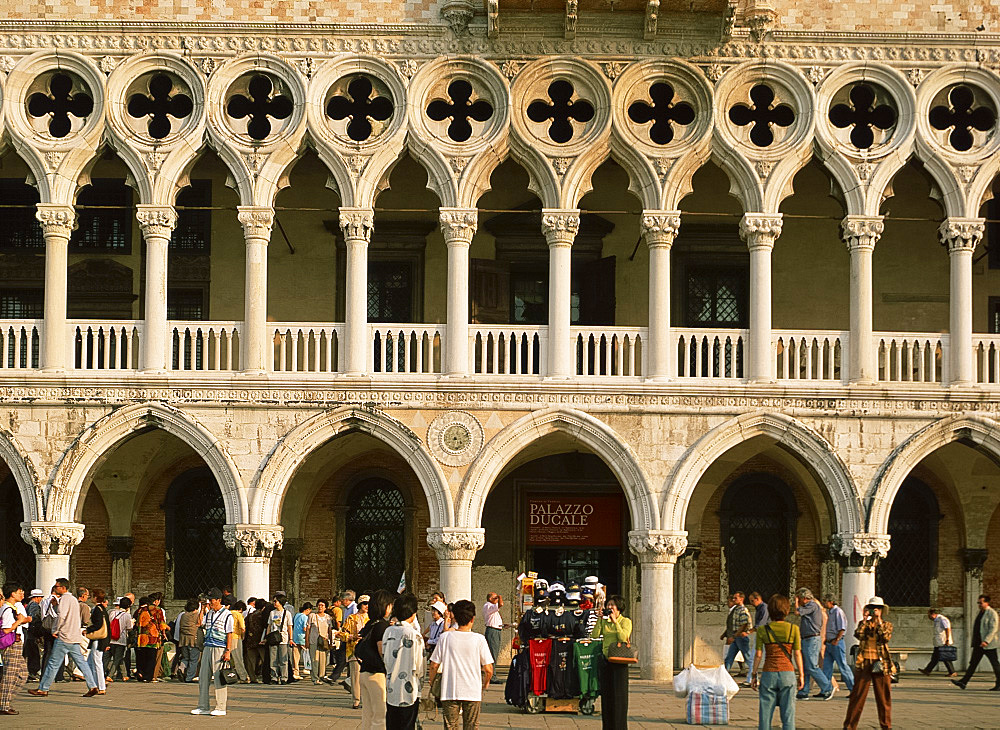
(455, 438)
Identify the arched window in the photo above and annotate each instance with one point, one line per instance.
(757, 522)
(374, 538)
(17, 559)
(196, 553)
(903, 578)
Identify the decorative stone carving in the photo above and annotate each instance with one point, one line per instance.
(815, 74)
(862, 549)
(53, 159)
(560, 226)
(108, 64)
(572, 9)
(973, 561)
(408, 67)
(256, 221)
(865, 170)
(6, 64)
(455, 438)
(457, 13)
(208, 65)
(357, 223)
(456, 543)
(613, 69)
(861, 232)
(155, 160)
(156, 220)
(52, 538)
(915, 76)
(652, 17)
(763, 168)
(660, 229)
(458, 164)
(56, 220)
(561, 165)
(510, 69)
(253, 541)
(760, 230)
(760, 18)
(458, 225)
(657, 546)
(492, 18)
(962, 234)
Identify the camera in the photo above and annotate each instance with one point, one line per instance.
(606, 613)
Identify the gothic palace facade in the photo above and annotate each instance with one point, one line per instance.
(699, 300)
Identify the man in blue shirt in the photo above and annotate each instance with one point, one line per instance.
(219, 642)
(299, 640)
(811, 626)
(761, 616)
(836, 648)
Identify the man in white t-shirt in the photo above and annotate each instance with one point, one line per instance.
(942, 637)
(466, 666)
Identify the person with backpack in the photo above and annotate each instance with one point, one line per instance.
(33, 634)
(121, 625)
(369, 652)
(779, 643)
(50, 618)
(69, 637)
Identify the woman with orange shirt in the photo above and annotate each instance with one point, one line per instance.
(150, 639)
(777, 682)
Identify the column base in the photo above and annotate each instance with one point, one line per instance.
(155, 371)
(658, 379)
(253, 373)
(761, 381)
(53, 369)
(863, 382)
(454, 376)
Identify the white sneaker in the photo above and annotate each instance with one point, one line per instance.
(199, 711)
(217, 713)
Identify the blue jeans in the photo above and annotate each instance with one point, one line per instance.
(776, 688)
(810, 658)
(740, 644)
(60, 649)
(837, 654)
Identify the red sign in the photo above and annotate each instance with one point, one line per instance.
(559, 520)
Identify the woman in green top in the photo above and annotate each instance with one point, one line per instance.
(776, 672)
(614, 628)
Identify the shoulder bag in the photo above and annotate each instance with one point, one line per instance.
(101, 633)
(948, 653)
(273, 638)
(8, 640)
(621, 652)
(227, 674)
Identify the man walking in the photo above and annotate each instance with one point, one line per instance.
(834, 645)
(737, 633)
(33, 634)
(760, 616)
(942, 638)
(812, 625)
(466, 666)
(68, 638)
(219, 640)
(15, 670)
(984, 643)
(494, 628)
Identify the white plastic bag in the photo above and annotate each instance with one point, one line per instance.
(714, 679)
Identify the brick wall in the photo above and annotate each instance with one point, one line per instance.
(991, 570)
(90, 563)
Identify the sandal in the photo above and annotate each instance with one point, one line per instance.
(356, 706)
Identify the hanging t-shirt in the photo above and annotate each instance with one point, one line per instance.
(586, 667)
(540, 651)
(563, 681)
(462, 656)
(562, 624)
(534, 625)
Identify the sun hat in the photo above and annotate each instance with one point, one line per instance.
(440, 607)
(875, 601)
(36, 593)
(365, 598)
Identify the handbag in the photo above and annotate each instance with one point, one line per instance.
(878, 667)
(622, 653)
(948, 653)
(101, 633)
(322, 643)
(273, 638)
(227, 674)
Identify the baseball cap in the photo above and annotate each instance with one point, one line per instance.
(215, 593)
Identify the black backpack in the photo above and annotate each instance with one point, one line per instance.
(366, 651)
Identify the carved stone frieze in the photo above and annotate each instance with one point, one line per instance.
(456, 543)
(52, 538)
(253, 541)
(657, 546)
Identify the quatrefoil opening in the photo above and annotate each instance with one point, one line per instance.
(59, 104)
(361, 108)
(963, 117)
(663, 113)
(561, 110)
(159, 105)
(864, 115)
(460, 110)
(260, 105)
(762, 115)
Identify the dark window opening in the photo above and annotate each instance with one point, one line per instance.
(992, 238)
(196, 551)
(994, 325)
(716, 296)
(193, 233)
(21, 303)
(20, 230)
(107, 226)
(376, 553)
(903, 577)
(187, 305)
(390, 285)
(17, 559)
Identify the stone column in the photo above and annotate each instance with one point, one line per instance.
(53, 543)
(58, 222)
(685, 624)
(120, 548)
(859, 554)
(659, 228)
(860, 234)
(157, 223)
(961, 236)
(973, 561)
(658, 552)
(455, 548)
(291, 554)
(254, 545)
(560, 228)
(357, 225)
(760, 230)
(458, 226)
(256, 222)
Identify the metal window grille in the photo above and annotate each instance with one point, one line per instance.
(107, 227)
(374, 539)
(757, 541)
(20, 230)
(903, 577)
(17, 559)
(716, 297)
(390, 295)
(196, 552)
(193, 232)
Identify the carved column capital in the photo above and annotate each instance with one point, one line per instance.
(52, 538)
(457, 14)
(660, 227)
(657, 546)
(760, 230)
(357, 223)
(455, 543)
(56, 220)
(458, 225)
(560, 226)
(253, 541)
(156, 221)
(861, 549)
(973, 560)
(962, 234)
(861, 232)
(120, 546)
(256, 221)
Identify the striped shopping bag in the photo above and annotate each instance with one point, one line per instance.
(707, 708)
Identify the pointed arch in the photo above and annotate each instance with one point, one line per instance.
(291, 451)
(97, 442)
(589, 431)
(976, 431)
(789, 433)
(24, 474)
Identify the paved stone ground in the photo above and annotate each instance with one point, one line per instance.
(918, 702)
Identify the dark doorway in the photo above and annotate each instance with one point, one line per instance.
(374, 538)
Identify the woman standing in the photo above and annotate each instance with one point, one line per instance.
(372, 667)
(350, 633)
(318, 640)
(775, 676)
(615, 629)
(873, 665)
(99, 619)
(147, 642)
(403, 654)
(187, 644)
